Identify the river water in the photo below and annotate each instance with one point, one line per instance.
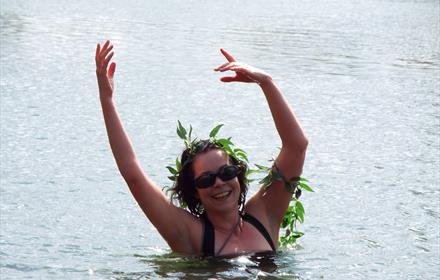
(362, 76)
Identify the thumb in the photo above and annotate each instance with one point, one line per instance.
(111, 70)
(228, 79)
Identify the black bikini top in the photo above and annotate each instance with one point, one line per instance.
(209, 235)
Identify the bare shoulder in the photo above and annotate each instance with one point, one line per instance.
(256, 207)
(188, 240)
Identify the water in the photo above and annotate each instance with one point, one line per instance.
(363, 78)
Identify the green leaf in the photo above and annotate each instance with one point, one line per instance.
(181, 131)
(266, 186)
(294, 179)
(172, 178)
(252, 171)
(215, 130)
(297, 234)
(285, 222)
(290, 219)
(243, 156)
(172, 170)
(283, 241)
(299, 211)
(262, 168)
(178, 165)
(190, 132)
(300, 217)
(306, 187)
(228, 150)
(238, 150)
(267, 182)
(224, 142)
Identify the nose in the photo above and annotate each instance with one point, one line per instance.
(218, 181)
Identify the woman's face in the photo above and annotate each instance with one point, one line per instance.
(222, 195)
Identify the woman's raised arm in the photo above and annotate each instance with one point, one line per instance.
(270, 206)
(173, 223)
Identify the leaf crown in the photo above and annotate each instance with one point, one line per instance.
(195, 146)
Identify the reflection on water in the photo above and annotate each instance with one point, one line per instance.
(173, 266)
(11, 25)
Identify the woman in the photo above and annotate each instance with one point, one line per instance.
(224, 228)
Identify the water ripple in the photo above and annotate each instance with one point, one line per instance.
(362, 77)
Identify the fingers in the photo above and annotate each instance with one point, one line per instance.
(103, 56)
(228, 56)
(106, 45)
(101, 53)
(237, 68)
(225, 67)
(107, 60)
(229, 79)
(111, 70)
(105, 51)
(221, 66)
(98, 50)
(231, 66)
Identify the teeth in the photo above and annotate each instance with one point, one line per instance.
(222, 194)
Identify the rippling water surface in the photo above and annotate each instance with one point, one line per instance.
(362, 76)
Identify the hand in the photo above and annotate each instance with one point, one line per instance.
(243, 73)
(105, 78)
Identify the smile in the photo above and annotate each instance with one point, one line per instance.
(222, 195)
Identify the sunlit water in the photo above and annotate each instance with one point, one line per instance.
(362, 76)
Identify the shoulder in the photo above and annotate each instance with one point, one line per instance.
(188, 242)
(257, 209)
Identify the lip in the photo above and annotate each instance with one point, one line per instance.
(222, 195)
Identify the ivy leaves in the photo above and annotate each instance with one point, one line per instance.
(295, 212)
(174, 170)
(214, 131)
(181, 132)
(227, 145)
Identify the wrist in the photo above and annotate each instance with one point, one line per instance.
(265, 81)
(105, 98)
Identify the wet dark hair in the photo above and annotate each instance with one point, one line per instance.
(184, 189)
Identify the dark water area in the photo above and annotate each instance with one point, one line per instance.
(362, 77)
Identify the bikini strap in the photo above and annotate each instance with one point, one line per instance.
(208, 243)
(259, 226)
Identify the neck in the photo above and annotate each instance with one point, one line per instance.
(224, 221)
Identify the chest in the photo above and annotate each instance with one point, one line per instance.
(245, 240)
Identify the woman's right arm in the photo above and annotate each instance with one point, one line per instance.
(173, 223)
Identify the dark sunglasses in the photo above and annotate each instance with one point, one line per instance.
(225, 173)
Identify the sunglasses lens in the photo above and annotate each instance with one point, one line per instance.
(205, 181)
(228, 173)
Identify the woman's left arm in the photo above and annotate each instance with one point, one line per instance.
(291, 158)
(273, 203)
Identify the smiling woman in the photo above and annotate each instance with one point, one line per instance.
(210, 178)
